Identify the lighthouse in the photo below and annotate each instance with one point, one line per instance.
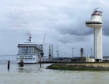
(96, 23)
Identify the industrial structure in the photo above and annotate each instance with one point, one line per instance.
(82, 54)
(96, 23)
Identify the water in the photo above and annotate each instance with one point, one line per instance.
(33, 74)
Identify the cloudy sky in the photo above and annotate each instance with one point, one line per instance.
(62, 21)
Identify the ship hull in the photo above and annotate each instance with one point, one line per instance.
(27, 59)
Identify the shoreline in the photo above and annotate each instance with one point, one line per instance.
(80, 66)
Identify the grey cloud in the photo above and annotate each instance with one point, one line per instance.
(72, 39)
(56, 18)
(78, 31)
(106, 30)
(105, 22)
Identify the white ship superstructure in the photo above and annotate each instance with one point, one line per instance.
(29, 52)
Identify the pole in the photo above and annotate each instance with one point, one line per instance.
(82, 52)
(91, 52)
(21, 64)
(57, 53)
(72, 52)
(49, 52)
(40, 61)
(52, 50)
(8, 65)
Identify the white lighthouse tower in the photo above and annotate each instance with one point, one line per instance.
(96, 23)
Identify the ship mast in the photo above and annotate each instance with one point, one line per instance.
(29, 37)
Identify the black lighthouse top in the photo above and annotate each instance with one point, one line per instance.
(96, 12)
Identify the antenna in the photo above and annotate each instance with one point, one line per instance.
(43, 42)
(96, 9)
(50, 51)
(29, 37)
(72, 52)
(57, 51)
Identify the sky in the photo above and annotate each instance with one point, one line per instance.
(61, 21)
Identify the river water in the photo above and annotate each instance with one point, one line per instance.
(33, 74)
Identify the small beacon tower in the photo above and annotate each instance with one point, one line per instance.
(96, 23)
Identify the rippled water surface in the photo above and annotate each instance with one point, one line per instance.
(33, 74)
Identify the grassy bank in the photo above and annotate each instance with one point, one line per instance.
(81, 67)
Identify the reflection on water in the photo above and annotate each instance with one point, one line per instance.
(33, 74)
(30, 68)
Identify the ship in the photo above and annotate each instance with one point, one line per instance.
(29, 52)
